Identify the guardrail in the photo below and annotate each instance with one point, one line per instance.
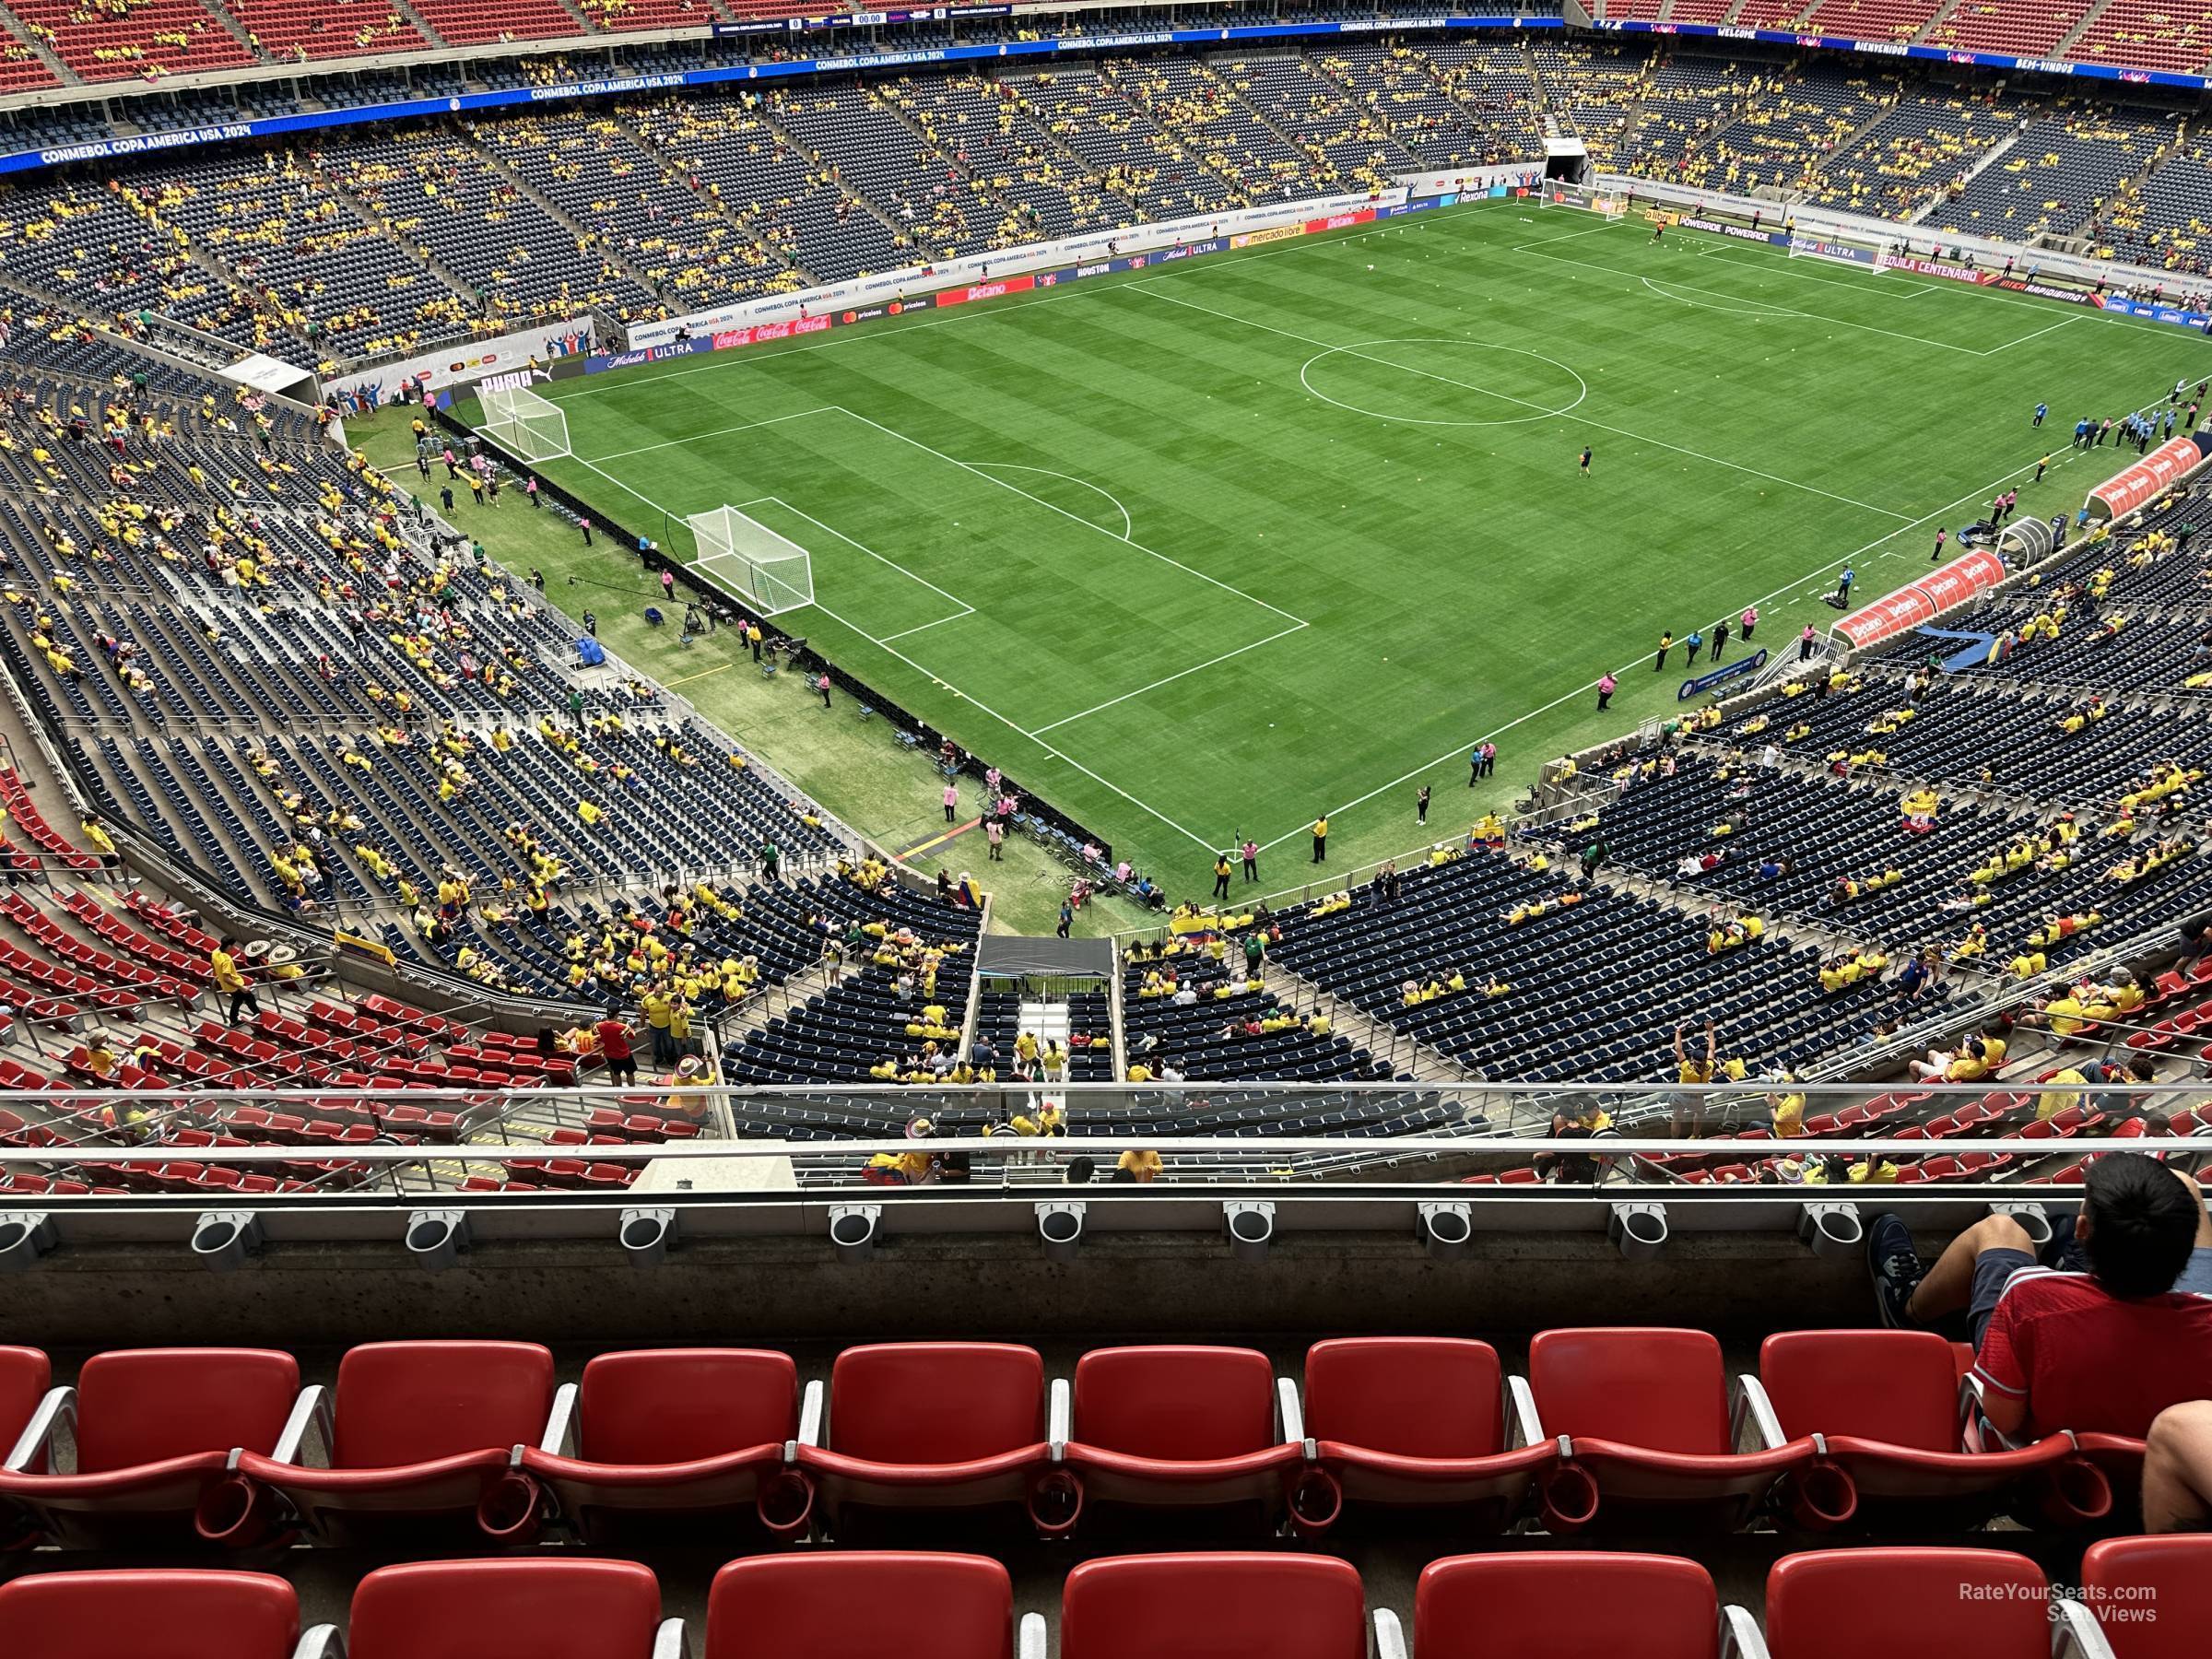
(1650, 1134)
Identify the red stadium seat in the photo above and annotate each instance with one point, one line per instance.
(148, 1615)
(419, 1429)
(24, 1377)
(667, 1431)
(1416, 1422)
(154, 1431)
(1563, 1603)
(1908, 1603)
(2152, 1597)
(549, 1609)
(936, 1426)
(1175, 1427)
(1646, 1432)
(882, 1605)
(1886, 1406)
(1221, 1607)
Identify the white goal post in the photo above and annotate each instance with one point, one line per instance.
(520, 421)
(1816, 236)
(746, 559)
(1559, 193)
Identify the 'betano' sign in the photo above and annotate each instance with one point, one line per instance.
(2147, 479)
(1916, 603)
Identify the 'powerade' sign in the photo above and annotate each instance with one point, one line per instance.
(1721, 675)
(1741, 232)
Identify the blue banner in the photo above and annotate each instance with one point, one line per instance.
(1721, 675)
(276, 126)
(2156, 313)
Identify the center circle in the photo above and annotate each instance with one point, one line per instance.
(1509, 377)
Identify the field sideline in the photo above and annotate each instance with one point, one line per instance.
(1197, 553)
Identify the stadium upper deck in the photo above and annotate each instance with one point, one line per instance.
(346, 248)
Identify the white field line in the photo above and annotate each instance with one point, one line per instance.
(940, 622)
(646, 449)
(1570, 236)
(1169, 678)
(1730, 254)
(1128, 524)
(1141, 288)
(2036, 335)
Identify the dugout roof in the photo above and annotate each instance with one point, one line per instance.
(1003, 956)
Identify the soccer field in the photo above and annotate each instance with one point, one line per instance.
(1202, 551)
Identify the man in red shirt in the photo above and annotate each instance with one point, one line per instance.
(614, 1047)
(2112, 1326)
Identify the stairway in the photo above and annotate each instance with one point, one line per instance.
(1988, 157)
(231, 24)
(832, 175)
(410, 15)
(586, 237)
(1110, 80)
(683, 169)
(1045, 1020)
(2066, 43)
(13, 26)
(1942, 14)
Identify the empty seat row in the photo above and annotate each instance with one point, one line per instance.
(1611, 1428)
(1901, 1604)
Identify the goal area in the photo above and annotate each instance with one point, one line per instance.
(520, 421)
(746, 559)
(1815, 238)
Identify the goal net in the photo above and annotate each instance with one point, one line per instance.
(745, 557)
(525, 423)
(1557, 193)
(1815, 238)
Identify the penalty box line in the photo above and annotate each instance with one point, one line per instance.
(981, 707)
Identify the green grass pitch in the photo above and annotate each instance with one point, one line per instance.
(1199, 552)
